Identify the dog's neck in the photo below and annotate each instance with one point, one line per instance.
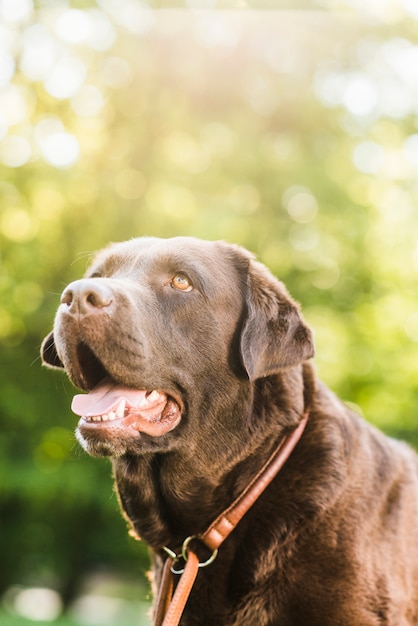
(177, 485)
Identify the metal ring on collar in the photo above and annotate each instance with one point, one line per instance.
(203, 563)
(173, 569)
(174, 557)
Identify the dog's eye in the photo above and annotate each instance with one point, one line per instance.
(181, 282)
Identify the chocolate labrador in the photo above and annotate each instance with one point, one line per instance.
(195, 361)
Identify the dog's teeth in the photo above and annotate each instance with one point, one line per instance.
(120, 409)
(106, 417)
(153, 396)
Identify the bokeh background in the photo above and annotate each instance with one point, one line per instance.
(288, 127)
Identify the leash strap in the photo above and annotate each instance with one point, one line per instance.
(169, 608)
(165, 593)
(183, 589)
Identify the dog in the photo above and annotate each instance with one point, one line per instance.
(196, 362)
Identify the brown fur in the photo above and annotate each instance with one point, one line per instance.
(334, 539)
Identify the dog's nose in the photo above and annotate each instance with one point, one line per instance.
(87, 296)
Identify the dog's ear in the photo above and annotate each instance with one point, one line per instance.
(49, 353)
(274, 335)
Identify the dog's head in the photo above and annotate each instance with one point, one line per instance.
(162, 333)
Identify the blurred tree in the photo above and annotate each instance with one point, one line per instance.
(293, 133)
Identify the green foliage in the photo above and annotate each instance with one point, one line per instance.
(291, 133)
(7, 620)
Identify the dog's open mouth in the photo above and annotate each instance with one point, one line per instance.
(110, 405)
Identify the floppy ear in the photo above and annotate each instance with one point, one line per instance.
(49, 354)
(274, 335)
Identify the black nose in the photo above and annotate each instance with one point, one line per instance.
(87, 296)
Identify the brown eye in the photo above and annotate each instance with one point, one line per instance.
(181, 282)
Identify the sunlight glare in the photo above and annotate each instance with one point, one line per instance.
(65, 78)
(16, 11)
(15, 151)
(60, 149)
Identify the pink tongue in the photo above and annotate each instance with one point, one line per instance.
(105, 398)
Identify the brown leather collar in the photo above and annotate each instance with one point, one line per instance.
(169, 608)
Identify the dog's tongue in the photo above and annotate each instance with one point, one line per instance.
(105, 398)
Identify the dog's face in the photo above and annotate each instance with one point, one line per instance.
(162, 333)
